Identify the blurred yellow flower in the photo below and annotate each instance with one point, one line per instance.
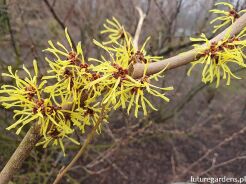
(226, 17)
(114, 30)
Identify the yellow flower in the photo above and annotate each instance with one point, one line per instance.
(87, 116)
(27, 97)
(75, 57)
(122, 90)
(56, 135)
(114, 30)
(226, 17)
(77, 91)
(69, 72)
(67, 61)
(22, 95)
(138, 93)
(216, 57)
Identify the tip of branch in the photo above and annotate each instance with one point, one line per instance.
(139, 27)
(136, 70)
(140, 12)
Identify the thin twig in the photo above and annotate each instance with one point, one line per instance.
(139, 27)
(60, 22)
(33, 48)
(52, 11)
(222, 164)
(83, 148)
(209, 151)
(13, 42)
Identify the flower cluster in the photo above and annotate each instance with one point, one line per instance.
(125, 91)
(218, 57)
(74, 91)
(31, 104)
(226, 17)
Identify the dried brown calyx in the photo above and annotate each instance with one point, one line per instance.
(53, 108)
(142, 80)
(120, 73)
(137, 57)
(54, 133)
(73, 58)
(85, 66)
(95, 76)
(89, 112)
(39, 106)
(67, 73)
(30, 91)
(233, 13)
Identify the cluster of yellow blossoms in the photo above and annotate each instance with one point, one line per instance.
(74, 91)
(218, 57)
(227, 17)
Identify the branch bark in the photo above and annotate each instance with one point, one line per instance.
(20, 154)
(137, 70)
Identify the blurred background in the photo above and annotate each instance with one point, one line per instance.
(200, 132)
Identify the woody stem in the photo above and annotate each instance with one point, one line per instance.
(20, 155)
(89, 138)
